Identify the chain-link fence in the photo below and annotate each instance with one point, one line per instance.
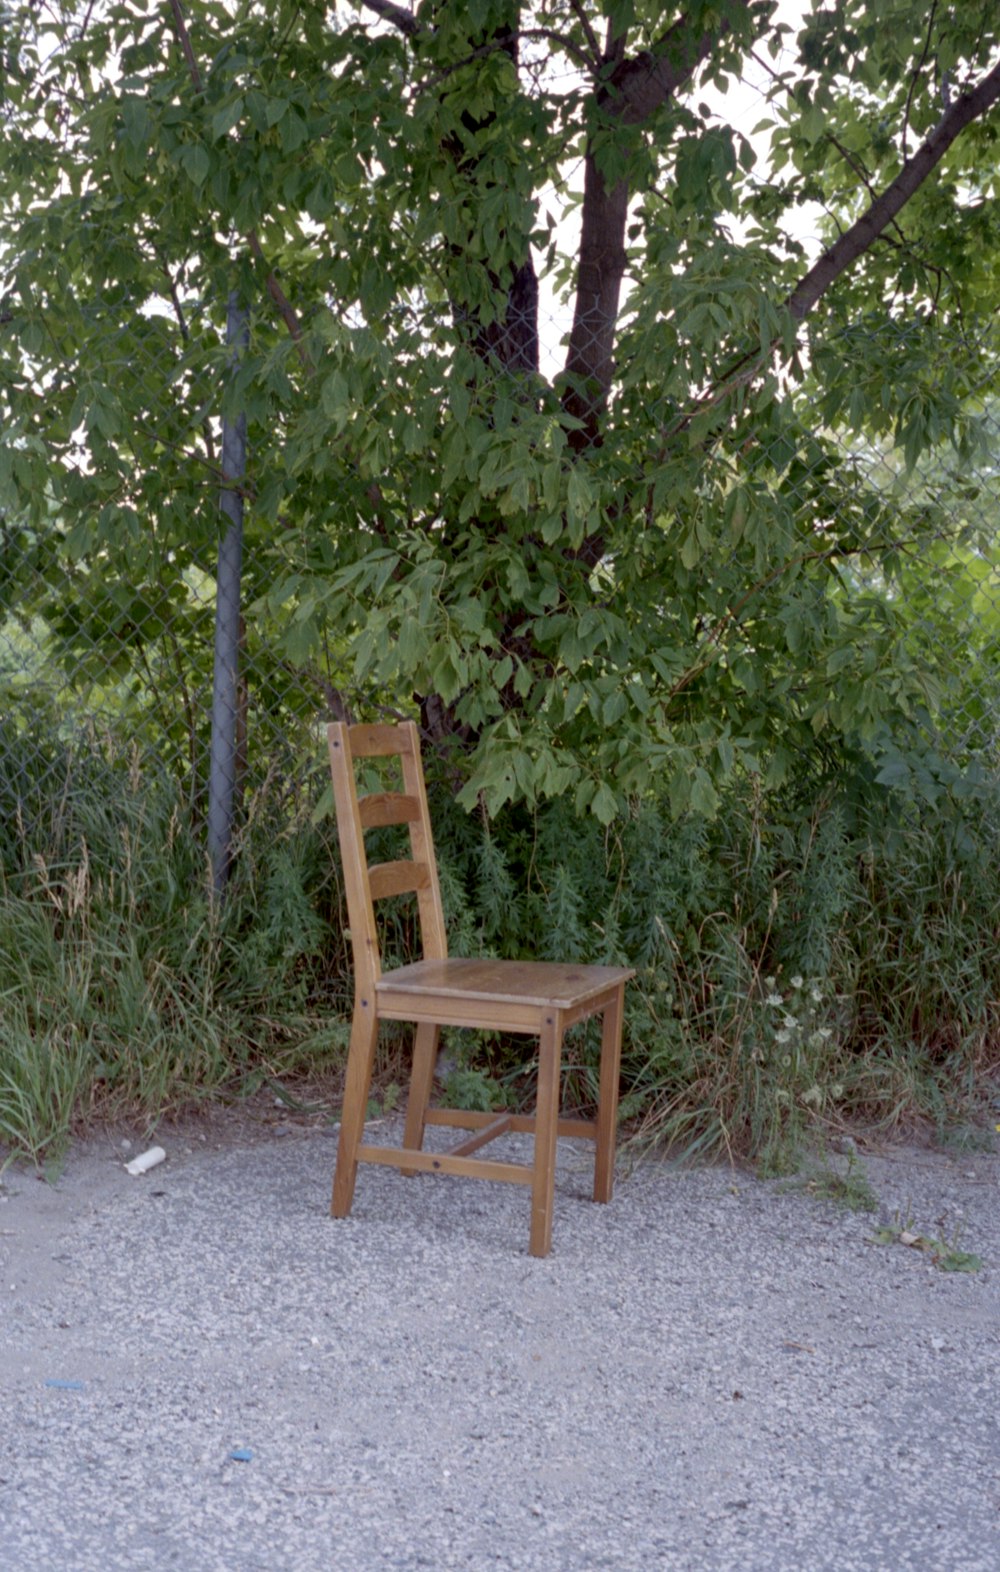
(129, 614)
(129, 610)
(125, 618)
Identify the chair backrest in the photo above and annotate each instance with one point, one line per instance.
(366, 884)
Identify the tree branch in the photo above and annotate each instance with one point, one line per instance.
(904, 138)
(854, 242)
(184, 38)
(390, 12)
(593, 44)
(857, 169)
(562, 41)
(855, 165)
(286, 310)
(640, 84)
(635, 87)
(731, 617)
(182, 323)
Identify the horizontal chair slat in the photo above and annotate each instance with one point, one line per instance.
(442, 1163)
(379, 742)
(520, 1124)
(387, 807)
(397, 878)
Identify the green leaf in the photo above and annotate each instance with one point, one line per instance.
(896, 773)
(195, 162)
(604, 804)
(690, 550)
(614, 707)
(226, 118)
(578, 494)
(703, 797)
(137, 123)
(294, 132)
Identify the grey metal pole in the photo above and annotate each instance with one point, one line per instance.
(225, 682)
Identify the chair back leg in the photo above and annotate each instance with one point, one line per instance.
(607, 1097)
(425, 1049)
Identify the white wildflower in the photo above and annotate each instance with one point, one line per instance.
(816, 996)
(796, 982)
(782, 1037)
(813, 1095)
(775, 999)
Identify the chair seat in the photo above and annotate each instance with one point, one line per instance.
(552, 985)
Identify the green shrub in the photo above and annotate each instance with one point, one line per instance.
(127, 988)
(807, 958)
(804, 960)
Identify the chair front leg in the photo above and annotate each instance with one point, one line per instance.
(607, 1097)
(360, 1060)
(543, 1181)
(425, 1050)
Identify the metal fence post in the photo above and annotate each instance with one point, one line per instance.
(225, 682)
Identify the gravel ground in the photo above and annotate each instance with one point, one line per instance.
(711, 1372)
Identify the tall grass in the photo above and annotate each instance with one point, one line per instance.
(803, 961)
(126, 989)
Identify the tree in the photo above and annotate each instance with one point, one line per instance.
(628, 569)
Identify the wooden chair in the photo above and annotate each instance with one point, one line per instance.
(538, 998)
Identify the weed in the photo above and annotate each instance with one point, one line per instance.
(851, 1189)
(469, 1088)
(964, 1137)
(41, 1077)
(385, 1102)
(945, 1254)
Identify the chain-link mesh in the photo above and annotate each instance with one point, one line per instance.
(97, 602)
(108, 611)
(950, 576)
(126, 609)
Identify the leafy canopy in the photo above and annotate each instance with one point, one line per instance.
(638, 555)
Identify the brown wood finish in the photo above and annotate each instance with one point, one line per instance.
(445, 1163)
(486, 1133)
(397, 878)
(387, 807)
(537, 998)
(520, 1124)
